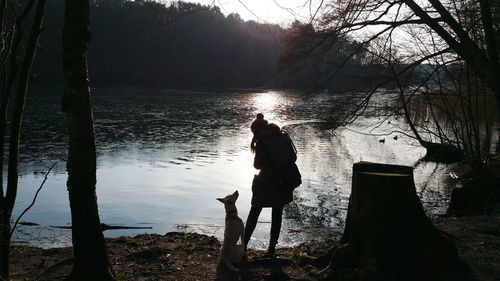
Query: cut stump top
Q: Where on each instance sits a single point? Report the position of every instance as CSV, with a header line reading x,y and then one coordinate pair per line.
x,y
370,167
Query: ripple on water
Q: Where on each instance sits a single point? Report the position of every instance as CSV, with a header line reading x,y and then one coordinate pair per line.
x,y
164,156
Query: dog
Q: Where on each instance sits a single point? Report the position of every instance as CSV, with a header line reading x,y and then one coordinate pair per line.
x,y
231,252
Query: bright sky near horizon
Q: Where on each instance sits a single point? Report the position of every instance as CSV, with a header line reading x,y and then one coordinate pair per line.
x,y
266,11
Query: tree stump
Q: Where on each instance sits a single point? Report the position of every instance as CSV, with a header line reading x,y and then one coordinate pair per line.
x,y
388,235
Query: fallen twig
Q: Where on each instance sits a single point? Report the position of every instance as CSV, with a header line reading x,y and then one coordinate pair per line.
x,y
109,227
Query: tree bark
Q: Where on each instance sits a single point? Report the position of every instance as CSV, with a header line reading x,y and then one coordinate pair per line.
x,y
387,234
90,258
491,47
8,201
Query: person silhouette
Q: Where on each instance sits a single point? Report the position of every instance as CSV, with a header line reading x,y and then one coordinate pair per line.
x,y
269,144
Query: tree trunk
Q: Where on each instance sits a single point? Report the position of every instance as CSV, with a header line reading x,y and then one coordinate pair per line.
x,y
8,201
491,48
90,258
387,234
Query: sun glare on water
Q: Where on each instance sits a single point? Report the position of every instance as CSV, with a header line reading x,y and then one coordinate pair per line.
x,y
267,103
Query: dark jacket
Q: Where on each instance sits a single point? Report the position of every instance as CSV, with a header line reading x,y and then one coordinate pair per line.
x,y
271,152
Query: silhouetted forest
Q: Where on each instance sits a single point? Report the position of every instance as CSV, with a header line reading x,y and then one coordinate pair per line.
x,y
184,45
318,61
147,44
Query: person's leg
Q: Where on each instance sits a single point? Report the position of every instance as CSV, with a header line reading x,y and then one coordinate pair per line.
x,y
253,216
276,218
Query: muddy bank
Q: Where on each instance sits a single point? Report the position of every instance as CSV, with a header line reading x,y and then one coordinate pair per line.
x,y
189,256
173,256
478,242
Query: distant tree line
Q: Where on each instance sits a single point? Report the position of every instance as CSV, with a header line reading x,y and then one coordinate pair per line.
x,y
147,44
144,43
319,61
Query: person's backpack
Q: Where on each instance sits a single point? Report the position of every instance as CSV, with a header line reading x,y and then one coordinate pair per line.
x,y
290,177
282,158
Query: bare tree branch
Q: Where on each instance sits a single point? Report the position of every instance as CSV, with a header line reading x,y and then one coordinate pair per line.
x,y
34,198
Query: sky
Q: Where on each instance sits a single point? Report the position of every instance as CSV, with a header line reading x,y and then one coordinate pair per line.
x,y
266,11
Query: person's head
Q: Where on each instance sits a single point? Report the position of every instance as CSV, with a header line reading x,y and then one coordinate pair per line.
x,y
258,124
266,130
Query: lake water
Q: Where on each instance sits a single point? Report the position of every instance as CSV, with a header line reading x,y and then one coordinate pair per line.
x,y
164,156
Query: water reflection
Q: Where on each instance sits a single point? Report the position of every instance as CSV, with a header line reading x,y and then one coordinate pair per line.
x,y
266,101
164,156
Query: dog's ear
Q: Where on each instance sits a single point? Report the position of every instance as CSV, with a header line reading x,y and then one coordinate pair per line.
x,y
223,200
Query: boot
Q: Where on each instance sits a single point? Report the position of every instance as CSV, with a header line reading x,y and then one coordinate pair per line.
x,y
271,251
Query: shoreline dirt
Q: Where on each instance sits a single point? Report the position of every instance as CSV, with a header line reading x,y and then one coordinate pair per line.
x,y
190,256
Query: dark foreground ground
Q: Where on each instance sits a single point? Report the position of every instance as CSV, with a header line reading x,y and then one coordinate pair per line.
x,y
187,256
